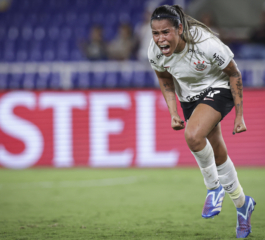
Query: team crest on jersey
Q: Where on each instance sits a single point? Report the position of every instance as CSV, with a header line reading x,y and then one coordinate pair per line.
x,y
200,66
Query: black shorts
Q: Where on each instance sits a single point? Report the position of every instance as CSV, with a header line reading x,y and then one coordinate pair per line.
x,y
220,99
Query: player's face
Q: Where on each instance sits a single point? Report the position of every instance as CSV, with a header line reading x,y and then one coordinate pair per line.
x,y
167,37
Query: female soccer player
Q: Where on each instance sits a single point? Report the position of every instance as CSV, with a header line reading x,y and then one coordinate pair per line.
x,y
192,62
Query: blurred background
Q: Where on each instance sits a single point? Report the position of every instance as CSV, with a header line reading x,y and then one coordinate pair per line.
x,y
72,56
67,44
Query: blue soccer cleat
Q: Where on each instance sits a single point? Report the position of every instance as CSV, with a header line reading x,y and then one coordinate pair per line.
x,y
243,228
213,202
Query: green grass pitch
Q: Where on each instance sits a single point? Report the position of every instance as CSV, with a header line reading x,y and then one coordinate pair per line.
x,y
119,204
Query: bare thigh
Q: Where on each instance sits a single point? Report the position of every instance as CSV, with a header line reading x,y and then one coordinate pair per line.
x,y
202,121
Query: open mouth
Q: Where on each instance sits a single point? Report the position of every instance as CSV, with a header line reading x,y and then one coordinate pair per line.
x,y
165,48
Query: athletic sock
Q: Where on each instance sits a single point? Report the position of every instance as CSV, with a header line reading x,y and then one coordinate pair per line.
x,y
238,198
228,178
206,162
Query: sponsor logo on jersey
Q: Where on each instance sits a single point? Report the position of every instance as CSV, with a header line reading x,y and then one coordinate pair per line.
x,y
196,52
219,59
200,66
151,61
159,56
196,97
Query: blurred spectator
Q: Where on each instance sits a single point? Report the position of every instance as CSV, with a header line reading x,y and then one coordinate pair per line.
x,y
4,5
144,36
123,47
209,21
258,36
94,48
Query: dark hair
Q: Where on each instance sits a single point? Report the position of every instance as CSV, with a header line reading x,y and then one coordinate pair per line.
x,y
176,15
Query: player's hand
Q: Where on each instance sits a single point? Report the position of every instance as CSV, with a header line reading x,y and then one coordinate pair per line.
x,y
177,123
240,125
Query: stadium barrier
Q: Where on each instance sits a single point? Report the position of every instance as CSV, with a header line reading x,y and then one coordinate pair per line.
x,y
106,74
111,128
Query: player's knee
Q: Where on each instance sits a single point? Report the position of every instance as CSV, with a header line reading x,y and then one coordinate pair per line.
x,y
193,140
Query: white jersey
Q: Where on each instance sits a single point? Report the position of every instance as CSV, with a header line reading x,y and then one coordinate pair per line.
x,y
196,70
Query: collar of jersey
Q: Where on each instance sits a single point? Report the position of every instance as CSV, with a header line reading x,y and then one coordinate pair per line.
x,y
183,51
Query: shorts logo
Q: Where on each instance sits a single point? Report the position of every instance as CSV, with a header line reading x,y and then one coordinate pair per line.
x,y
200,66
212,93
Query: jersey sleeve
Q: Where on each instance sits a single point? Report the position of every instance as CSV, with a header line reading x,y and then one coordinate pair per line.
x,y
153,57
218,53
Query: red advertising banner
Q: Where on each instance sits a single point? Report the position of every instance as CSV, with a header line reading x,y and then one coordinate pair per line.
x,y
115,128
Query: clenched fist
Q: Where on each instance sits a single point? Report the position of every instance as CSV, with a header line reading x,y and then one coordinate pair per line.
x,y
177,123
239,125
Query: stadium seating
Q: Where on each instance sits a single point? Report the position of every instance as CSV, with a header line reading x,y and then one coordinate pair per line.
x,y
49,31
37,30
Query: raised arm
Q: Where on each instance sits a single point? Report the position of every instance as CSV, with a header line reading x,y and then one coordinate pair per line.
x,y
168,90
237,91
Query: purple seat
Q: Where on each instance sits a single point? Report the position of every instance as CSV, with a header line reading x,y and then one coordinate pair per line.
x,y
12,33
9,50
22,55
26,32
55,81
42,80
2,32
65,33
15,81
28,81
3,81
76,55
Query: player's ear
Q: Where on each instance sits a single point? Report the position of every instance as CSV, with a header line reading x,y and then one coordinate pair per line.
x,y
180,29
